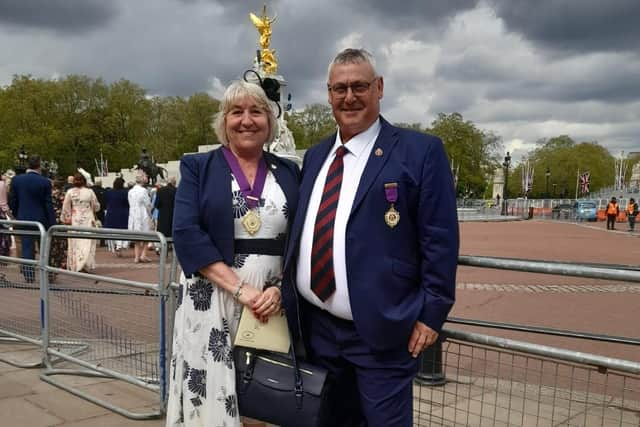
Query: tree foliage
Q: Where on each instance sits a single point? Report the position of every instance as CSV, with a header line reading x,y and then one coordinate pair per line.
x,y
72,120
473,153
311,125
565,159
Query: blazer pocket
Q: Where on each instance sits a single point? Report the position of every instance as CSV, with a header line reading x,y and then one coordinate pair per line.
x,y
404,269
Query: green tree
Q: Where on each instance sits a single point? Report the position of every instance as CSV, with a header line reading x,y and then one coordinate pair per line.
x,y
473,153
565,159
311,125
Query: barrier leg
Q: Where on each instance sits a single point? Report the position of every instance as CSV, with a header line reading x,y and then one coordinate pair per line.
x,y
430,373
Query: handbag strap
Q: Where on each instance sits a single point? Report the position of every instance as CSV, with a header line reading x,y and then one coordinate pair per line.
x,y
298,385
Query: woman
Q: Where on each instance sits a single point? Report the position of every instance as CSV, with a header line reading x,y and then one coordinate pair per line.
x,y
117,213
230,244
139,215
78,209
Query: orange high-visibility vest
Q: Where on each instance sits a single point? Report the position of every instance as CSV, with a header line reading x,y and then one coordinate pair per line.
x,y
612,208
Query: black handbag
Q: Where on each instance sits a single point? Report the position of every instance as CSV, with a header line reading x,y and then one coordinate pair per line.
x,y
278,389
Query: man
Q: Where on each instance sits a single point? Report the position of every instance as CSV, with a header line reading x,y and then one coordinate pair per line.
x,y
30,200
164,202
373,250
632,212
612,213
99,191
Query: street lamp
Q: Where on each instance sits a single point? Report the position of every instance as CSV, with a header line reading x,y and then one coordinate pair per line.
x,y
22,161
505,195
547,175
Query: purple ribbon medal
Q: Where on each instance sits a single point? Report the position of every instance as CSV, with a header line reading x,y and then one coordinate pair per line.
x,y
251,220
392,216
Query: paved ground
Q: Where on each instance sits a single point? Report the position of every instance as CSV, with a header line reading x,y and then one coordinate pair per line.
x,y
496,295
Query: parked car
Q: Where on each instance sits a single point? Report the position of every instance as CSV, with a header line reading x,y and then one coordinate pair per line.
x,y
563,211
586,210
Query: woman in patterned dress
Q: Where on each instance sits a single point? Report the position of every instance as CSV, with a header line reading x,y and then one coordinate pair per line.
x,y
78,209
227,263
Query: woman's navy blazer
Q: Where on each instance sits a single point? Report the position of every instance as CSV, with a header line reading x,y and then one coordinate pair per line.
x,y
203,229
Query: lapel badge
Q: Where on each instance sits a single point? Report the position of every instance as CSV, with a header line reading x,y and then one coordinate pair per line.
x,y
378,152
273,166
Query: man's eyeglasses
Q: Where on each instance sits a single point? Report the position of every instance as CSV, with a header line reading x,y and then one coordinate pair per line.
x,y
357,88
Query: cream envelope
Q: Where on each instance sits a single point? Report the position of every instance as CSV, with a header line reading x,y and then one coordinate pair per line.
x,y
273,335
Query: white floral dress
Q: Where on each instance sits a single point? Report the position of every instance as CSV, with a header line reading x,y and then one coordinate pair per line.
x,y
202,390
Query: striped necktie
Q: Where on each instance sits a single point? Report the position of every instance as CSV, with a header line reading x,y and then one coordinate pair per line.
x,y
323,281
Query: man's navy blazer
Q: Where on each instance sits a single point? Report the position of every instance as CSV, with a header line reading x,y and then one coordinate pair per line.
x,y
30,199
203,230
396,275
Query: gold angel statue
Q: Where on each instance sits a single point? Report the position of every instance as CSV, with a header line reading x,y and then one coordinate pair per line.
x,y
263,24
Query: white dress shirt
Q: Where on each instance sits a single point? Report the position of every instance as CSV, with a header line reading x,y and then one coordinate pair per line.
x,y
359,148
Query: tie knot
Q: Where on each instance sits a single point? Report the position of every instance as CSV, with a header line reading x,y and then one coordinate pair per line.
x,y
341,151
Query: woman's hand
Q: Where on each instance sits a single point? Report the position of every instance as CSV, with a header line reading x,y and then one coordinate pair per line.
x,y
249,295
268,304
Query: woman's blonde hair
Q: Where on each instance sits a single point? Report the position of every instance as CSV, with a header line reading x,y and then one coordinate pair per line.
x,y
237,91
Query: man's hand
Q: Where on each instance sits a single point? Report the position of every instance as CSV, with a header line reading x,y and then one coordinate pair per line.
x,y
421,338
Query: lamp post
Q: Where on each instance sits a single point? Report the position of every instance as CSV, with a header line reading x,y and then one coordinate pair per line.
x,y
554,189
22,161
547,175
505,195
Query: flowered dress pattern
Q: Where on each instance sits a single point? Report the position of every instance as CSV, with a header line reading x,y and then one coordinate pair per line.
x,y
80,205
139,209
202,390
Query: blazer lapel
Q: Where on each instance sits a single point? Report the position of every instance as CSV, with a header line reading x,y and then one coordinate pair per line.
x,y
219,189
386,140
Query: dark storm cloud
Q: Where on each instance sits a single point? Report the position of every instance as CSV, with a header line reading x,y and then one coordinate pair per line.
x,y
412,14
65,16
574,25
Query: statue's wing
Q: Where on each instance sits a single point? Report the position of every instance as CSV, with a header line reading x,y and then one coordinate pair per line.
x,y
256,21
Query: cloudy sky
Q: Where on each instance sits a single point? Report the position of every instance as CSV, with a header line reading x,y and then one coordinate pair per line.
x,y
523,69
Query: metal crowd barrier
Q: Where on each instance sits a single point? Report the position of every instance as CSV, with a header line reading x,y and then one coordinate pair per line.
x,y
117,327
20,294
471,379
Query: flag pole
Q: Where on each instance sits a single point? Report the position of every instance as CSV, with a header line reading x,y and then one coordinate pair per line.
x,y
577,183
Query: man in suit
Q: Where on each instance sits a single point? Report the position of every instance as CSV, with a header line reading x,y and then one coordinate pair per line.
x,y
372,252
164,203
30,200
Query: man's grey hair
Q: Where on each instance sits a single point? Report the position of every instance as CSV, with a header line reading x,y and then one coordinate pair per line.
x,y
171,180
237,91
353,56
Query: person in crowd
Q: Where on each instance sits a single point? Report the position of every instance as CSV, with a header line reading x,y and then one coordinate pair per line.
x,y
79,208
5,213
59,245
613,210
165,199
153,194
632,213
100,192
30,200
373,250
139,215
232,210
117,213
69,184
